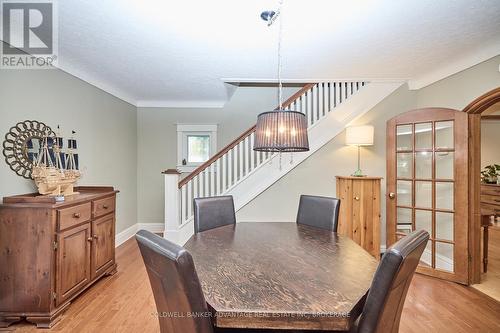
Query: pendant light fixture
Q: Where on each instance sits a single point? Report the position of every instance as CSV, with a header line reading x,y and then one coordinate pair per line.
x,y
280,130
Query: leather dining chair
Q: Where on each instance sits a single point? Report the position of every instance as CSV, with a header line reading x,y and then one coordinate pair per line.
x,y
213,212
319,212
384,302
175,285
177,289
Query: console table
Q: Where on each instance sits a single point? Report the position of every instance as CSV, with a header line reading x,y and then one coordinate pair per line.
x,y
52,251
490,206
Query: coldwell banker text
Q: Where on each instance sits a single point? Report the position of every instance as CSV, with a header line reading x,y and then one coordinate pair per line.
x,y
29,35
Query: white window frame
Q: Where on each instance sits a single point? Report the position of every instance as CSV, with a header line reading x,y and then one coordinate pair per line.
x,y
183,130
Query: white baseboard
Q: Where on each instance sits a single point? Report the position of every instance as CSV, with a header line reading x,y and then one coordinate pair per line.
x,y
128,233
182,234
125,235
153,227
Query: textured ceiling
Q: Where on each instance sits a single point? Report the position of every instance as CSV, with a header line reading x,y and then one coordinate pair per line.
x,y
178,52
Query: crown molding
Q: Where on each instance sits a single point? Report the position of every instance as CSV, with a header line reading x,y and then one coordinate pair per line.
x,y
235,81
216,104
98,84
455,67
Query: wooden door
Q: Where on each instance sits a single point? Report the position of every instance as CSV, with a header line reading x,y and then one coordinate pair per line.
x,y
73,261
103,248
427,187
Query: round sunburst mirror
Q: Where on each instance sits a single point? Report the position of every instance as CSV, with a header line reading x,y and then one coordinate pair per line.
x,y
22,145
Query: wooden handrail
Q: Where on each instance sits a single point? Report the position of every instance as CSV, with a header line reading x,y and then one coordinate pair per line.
x,y
236,141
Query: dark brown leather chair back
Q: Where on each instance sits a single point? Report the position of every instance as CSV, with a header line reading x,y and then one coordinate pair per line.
x,y
213,212
385,300
175,285
320,212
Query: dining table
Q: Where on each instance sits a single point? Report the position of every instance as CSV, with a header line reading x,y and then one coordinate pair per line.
x,y
281,275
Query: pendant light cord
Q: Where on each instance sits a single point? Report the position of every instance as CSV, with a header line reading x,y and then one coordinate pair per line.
x,y
280,34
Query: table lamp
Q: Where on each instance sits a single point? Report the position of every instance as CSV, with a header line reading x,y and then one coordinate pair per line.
x,y
359,136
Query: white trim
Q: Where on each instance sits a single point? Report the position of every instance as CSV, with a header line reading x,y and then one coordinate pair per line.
x,y
316,80
101,85
187,168
125,235
454,67
181,104
152,227
196,127
183,130
181,234
128,233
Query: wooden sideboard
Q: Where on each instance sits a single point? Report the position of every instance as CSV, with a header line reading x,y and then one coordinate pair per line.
x,y
52,251
490,199
490,206
360,211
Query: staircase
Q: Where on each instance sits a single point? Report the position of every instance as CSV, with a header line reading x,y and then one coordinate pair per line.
x,y
239,171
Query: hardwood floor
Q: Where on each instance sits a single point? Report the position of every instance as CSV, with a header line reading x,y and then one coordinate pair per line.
x,y
124,303
490,282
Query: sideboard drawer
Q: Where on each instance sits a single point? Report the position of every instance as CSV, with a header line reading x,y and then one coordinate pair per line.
x,y
104,206
69,217
487,209
490,199
490,190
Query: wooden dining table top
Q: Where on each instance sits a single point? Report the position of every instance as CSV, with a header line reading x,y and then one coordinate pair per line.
x,y
281,275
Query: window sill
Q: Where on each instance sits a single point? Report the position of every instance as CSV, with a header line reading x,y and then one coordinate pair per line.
x,y
186,168
189,169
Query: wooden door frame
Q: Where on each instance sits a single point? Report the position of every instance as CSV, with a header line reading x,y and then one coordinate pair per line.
x,y
475,109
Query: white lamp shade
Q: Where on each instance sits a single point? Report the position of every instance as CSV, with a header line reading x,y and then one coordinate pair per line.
x,y
359,135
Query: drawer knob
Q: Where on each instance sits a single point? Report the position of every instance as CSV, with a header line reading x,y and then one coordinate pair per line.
x,y
96,237
105,206
392,195
76,215
356,198
89,239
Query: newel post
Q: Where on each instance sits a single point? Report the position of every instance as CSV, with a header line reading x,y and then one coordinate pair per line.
x,y
172,204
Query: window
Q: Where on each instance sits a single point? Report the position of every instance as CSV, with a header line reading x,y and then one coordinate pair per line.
x,y
195,145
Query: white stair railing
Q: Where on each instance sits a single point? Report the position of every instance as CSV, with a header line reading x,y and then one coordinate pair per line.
x,y
237,161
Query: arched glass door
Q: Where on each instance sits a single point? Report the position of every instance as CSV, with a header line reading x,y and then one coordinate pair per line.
x,y
427,183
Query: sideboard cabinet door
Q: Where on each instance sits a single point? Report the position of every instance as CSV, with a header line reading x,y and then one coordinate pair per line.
x,y
359,217
103,252
73,261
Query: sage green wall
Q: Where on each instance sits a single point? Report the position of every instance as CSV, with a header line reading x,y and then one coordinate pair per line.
x,y
316,175
157,139
105,125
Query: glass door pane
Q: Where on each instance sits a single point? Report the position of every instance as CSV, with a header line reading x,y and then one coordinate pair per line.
x,y
423,165
404,221
405,165
404,137
404,193
444,165
423,136
444,135
444,256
